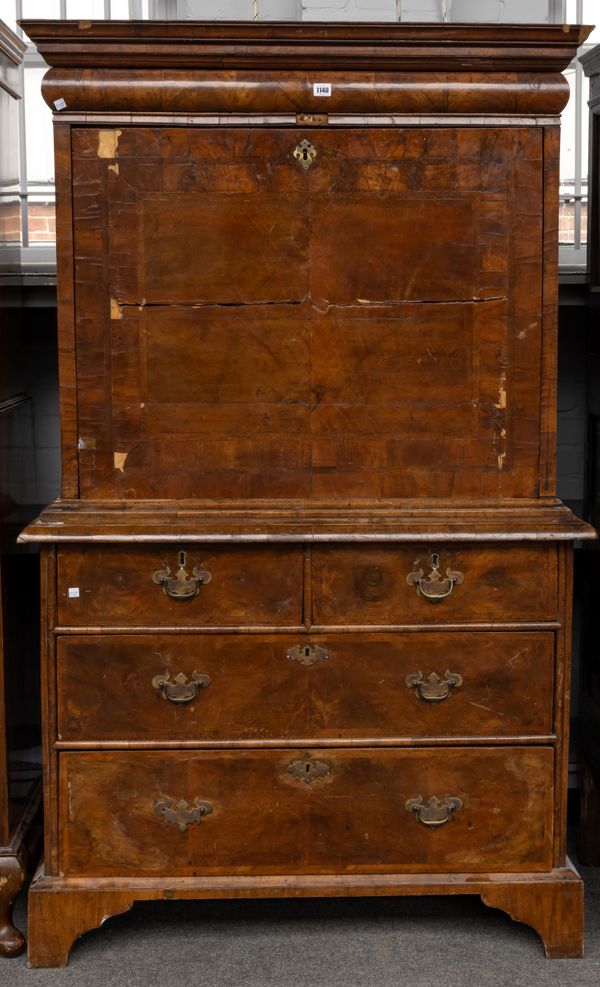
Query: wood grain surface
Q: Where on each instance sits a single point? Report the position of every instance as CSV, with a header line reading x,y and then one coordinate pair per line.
x,y
115,586
258,693
265,820
322,370
367,584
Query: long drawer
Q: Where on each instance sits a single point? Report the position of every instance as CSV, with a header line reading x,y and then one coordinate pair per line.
x,y
168,586
361,811
256,687
408,584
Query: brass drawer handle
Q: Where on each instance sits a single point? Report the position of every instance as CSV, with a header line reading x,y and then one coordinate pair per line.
x,y
434,812
435,587
181,813
180,690
307,654
181,586
434,689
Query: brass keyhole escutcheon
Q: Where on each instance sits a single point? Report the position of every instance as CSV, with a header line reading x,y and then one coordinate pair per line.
x,y
307,770
305,153
307,654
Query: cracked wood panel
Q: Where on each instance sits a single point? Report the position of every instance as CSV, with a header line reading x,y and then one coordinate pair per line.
x,y
368,328
356,689
265,820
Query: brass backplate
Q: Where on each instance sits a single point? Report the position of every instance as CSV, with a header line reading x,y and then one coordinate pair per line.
x,y
181,586
312,119
308,770
434,812
181,813
434,688
307,654
305,154
180,689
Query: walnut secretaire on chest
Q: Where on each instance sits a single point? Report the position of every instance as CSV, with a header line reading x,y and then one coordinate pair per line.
x,y
307,590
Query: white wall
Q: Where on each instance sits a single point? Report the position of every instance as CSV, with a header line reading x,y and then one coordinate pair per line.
x,y
528,11
508,11
348,10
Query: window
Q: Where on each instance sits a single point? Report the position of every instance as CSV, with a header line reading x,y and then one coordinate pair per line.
x,y
35,127
574,147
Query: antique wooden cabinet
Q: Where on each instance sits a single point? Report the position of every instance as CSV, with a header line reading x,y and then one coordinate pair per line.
x,y
307,590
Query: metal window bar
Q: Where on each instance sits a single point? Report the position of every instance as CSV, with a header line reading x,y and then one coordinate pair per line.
x,y
22,144
573,250
578,138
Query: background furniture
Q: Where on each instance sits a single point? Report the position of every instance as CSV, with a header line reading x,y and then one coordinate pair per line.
x,y
20,793
307,589
589,842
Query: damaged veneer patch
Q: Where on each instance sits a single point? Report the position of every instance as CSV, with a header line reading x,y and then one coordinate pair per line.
x,y
501,402
500,436
108,143
119,460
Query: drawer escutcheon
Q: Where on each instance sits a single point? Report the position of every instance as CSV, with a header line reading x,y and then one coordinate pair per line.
x,y
305,153
308,770
307,654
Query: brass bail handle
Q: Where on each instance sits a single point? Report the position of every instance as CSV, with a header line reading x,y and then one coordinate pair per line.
x,y
180,689
181,586
434,688
435,587
434,812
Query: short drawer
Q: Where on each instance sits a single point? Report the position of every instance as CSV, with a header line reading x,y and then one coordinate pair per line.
x,y
320,811
451,583
168,585
263,687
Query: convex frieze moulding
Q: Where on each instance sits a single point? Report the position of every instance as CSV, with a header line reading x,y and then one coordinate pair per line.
x,y
237,67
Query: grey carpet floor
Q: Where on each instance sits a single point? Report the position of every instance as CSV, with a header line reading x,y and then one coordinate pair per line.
x,y
420,942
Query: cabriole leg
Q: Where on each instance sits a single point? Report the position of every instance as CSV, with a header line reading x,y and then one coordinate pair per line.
x,y
12,876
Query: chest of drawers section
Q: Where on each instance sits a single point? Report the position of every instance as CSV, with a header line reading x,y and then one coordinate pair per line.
x,y
353,725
